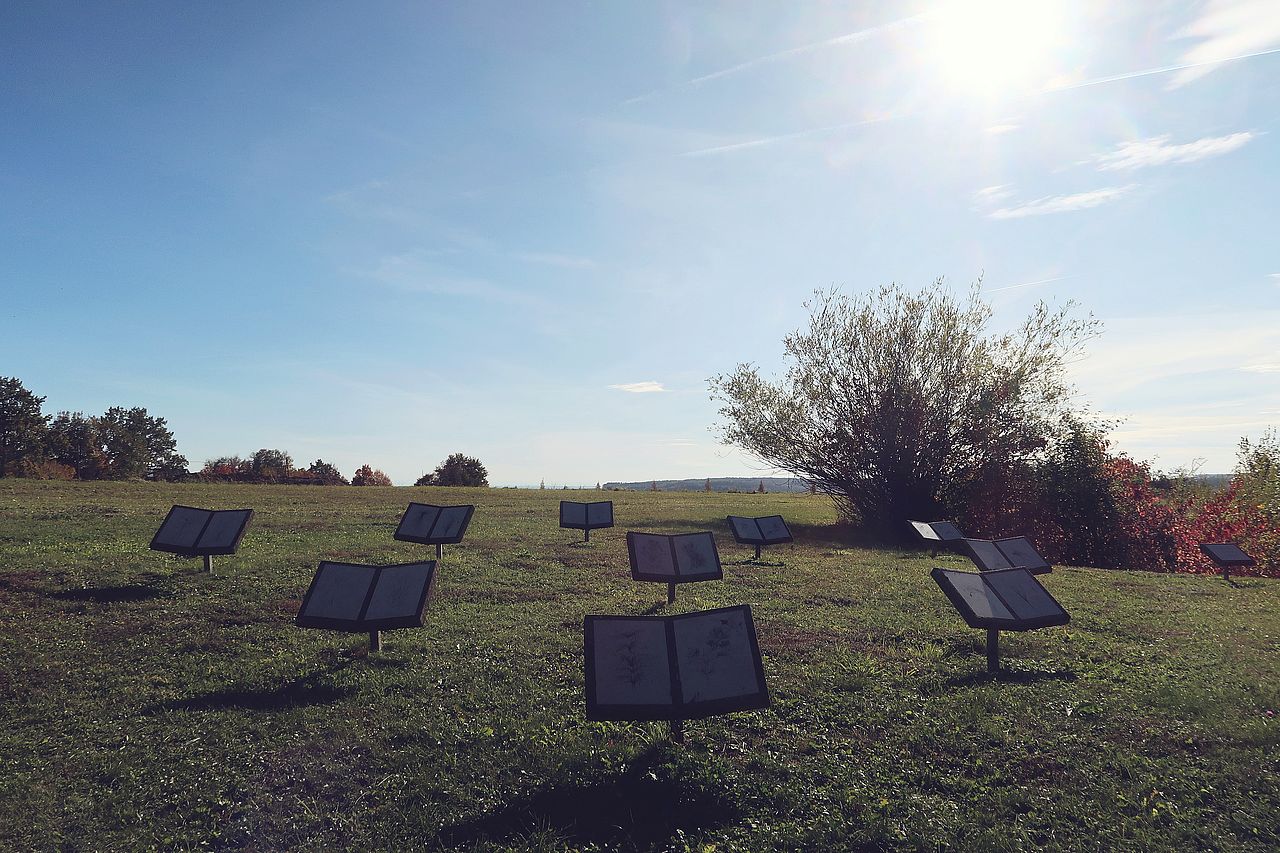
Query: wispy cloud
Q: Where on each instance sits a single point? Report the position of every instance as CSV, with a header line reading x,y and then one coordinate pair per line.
x,y
1272,367
1062,203
1275,276
999,129
414,272
847,38
552,259
1157,151
1035,283
1225,30
784,137
1068,85
649,387
991,196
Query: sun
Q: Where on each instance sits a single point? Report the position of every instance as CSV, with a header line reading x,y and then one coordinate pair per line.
x,y
995,48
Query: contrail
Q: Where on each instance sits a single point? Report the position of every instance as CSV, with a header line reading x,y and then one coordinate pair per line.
x,y
1164,69
847,38
1024,284
782,137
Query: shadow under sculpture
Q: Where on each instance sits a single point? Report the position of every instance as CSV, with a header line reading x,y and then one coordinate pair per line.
x,y
1016,552
673,559
1000,600
1225,555
355,598
762,531
937,534
673,668
428,524
586,517
193,532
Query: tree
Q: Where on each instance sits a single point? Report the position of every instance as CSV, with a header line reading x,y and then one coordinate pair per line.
x,y
23,428
1258,472
896,404
73,441
706,487
225,469
459,470
270,466
366,476
760,488
136,444
653,485
327,474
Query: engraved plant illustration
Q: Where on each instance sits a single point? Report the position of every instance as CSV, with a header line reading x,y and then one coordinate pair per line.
x,y
630,668
708,657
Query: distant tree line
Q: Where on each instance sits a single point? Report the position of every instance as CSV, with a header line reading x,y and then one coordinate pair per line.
x,y
119,444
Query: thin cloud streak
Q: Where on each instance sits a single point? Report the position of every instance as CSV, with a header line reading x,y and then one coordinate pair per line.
x,y
784,137
1148,72
847,38
648,387
1156,151
1227,27
1025,284
1062,203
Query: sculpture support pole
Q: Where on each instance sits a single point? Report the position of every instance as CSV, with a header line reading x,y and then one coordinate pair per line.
x,y
677,731
586,534
375,641
757,552
439,551
208,563
671,593
993,650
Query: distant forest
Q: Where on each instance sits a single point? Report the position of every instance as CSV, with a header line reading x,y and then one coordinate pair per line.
x,y
718,484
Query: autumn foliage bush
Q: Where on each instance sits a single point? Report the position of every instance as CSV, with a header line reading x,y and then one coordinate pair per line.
x,y
1084,505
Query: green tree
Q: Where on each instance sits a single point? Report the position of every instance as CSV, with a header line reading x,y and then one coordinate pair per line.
x,y
270,466
136,444
73,441
327,474
459,470
23,428
896,403
1258,472
706,487
366,476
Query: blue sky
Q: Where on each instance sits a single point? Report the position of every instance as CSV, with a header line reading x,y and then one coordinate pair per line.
x,y
386,232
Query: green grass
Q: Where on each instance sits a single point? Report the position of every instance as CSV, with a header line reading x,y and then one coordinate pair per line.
x,y
148,705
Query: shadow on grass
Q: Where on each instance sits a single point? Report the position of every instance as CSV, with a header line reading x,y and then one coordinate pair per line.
x,y
1007,676
299,693
109,594
638,809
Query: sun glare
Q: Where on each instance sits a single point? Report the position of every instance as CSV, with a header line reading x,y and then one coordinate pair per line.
x,y
993,48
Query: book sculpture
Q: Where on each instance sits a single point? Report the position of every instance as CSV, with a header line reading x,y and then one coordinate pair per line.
x,y
1000,600
1017,552
354,598
683,558
673,668
1225,555
767,530
937,534
206,533
586,516
427,524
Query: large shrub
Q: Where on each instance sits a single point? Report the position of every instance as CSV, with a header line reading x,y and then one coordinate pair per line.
x,y
901,404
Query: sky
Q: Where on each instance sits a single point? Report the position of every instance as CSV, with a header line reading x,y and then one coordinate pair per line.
x,y
530,232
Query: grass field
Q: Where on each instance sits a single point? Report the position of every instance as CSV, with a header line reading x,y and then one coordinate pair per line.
x,y
149,705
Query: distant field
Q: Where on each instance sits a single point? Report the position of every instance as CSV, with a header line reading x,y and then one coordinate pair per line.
x,y
149,705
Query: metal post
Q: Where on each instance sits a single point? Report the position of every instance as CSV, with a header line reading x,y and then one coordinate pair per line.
x,y
208,563
757,552
1226,572
677,731
586,534
375,641
671,593
439,551
993,650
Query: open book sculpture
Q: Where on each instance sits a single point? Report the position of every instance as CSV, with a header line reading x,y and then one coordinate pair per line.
x,y
673,667
586,516
682,558
356,598
937,534
1225,555
1016,552
206,533
428,524
766,530
1000,600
